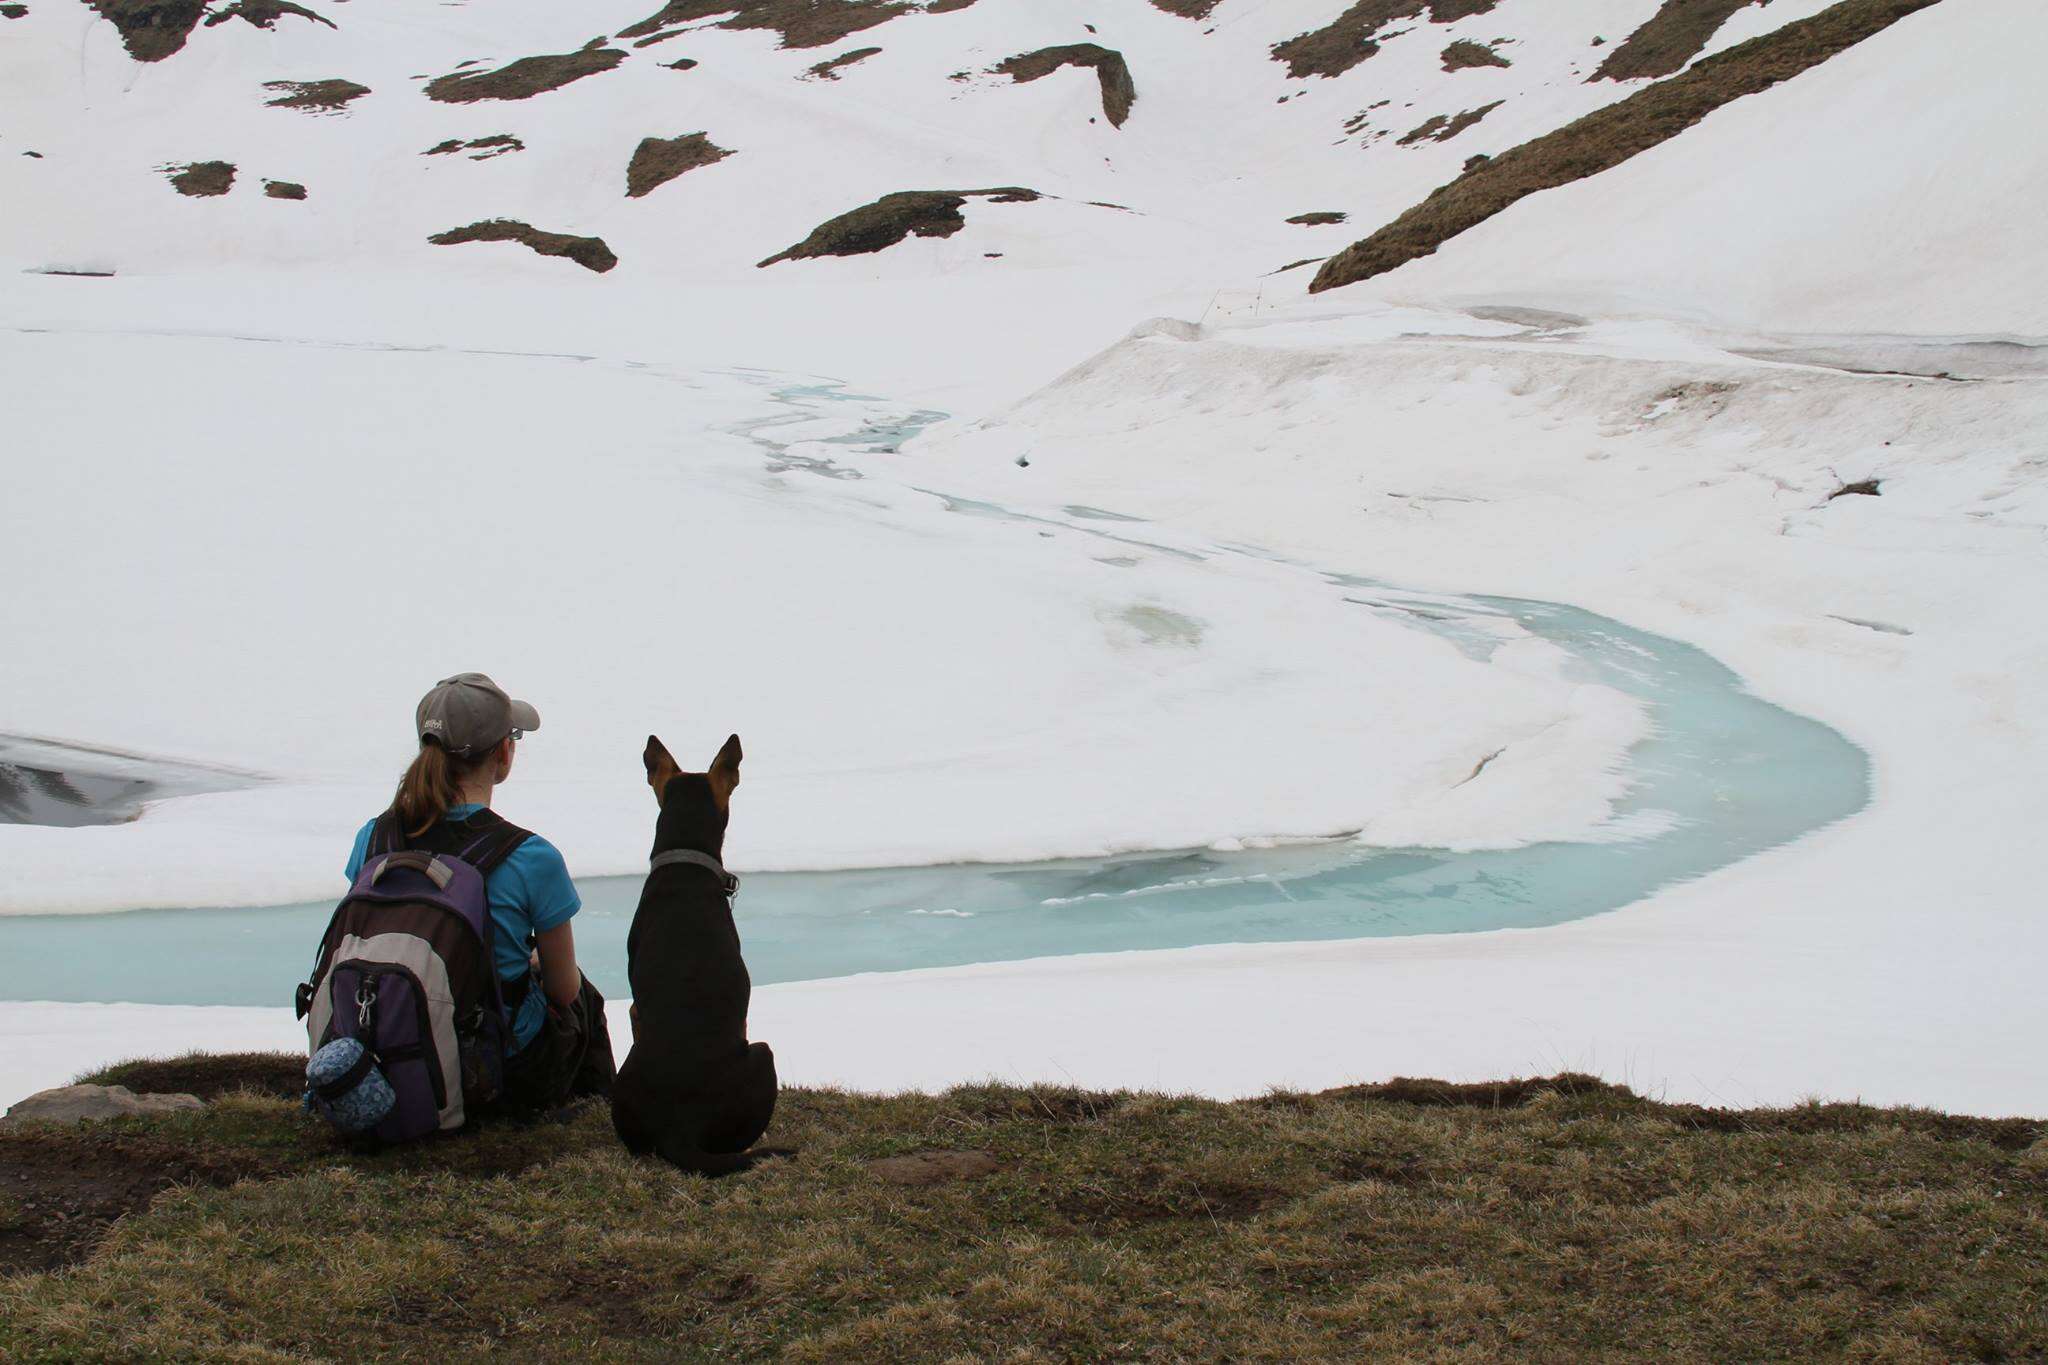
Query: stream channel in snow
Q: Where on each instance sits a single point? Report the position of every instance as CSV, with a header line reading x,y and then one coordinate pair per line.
x,y
1722,775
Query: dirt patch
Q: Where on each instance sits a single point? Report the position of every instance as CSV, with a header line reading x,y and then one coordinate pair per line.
x,y
281,1075
589,252
1607,137
319,97
1465,54
525,78
1119,92
802,23
933,1168
60,1190
1188,9
151,30
681,64
284,189
894,217
829,70
266,13
1354,35
1444,127
1318,219
480,148
1863,488
1668,40
656,161
202,179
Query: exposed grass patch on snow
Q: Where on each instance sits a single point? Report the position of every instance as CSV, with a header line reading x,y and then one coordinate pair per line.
x,y
1668,39
589,252
13,11
1465,54
1187,9
284,189
1607,137
1353,36
1444,127
525,78
1119,92
829,70
202,179
659,160
151,30
479,148
1317,219
265,13
319,97
801,23
1560,1219
893,218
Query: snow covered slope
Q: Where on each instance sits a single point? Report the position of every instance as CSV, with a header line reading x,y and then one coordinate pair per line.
x,y
1897,188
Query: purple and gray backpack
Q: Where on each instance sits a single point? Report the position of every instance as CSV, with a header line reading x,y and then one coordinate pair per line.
x,y
406,969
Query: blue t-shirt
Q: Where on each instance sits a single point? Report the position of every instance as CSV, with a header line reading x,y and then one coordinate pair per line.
x,y
530,893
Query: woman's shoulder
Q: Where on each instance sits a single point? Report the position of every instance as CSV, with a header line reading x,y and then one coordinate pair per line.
x,y
542,878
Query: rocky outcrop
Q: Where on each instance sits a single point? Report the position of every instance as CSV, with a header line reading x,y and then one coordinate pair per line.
x,y
894,218
657,160
151,30
1670,38
95,1103
331,96
589,252
525,78
1354,35
202,179
1119,92
1607,137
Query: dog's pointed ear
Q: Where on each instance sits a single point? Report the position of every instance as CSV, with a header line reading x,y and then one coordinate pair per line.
x,y
660,766
725,769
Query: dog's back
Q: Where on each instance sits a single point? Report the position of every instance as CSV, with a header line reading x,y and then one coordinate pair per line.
x,y
692,1089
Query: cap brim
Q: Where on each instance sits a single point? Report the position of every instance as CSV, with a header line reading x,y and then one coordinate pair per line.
x,y
524,717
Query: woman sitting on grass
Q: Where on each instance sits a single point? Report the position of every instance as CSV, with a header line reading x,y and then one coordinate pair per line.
x,y
469,731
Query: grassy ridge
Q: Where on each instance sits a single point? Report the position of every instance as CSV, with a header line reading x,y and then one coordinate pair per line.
x,y
1561,1220
1607,137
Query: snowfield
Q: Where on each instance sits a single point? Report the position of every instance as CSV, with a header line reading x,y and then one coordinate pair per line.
x,y
231,469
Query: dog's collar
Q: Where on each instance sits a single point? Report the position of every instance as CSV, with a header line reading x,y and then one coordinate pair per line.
x,y
726,881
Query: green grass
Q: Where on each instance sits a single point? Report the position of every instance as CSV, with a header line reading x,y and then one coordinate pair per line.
x,y
1561,1220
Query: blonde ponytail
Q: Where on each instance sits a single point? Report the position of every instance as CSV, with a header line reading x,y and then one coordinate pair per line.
x,y
430,786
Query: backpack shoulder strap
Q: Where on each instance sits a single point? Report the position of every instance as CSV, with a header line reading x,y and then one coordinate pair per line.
x,y
387,836
496,840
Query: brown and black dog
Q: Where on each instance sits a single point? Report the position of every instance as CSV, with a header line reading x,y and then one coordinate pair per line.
x,y
693,1090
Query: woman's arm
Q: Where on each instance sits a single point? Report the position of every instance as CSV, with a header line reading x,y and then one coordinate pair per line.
x,y
559,975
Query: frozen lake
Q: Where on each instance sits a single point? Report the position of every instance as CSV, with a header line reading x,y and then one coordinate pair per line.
x,y
1722,775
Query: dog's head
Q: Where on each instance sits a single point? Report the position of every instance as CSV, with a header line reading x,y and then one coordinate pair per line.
x,y
694,806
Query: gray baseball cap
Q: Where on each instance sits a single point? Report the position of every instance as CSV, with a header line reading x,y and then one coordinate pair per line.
x,y
468,714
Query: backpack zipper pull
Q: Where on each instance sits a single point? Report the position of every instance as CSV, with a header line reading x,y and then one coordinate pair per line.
x,y
366,997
